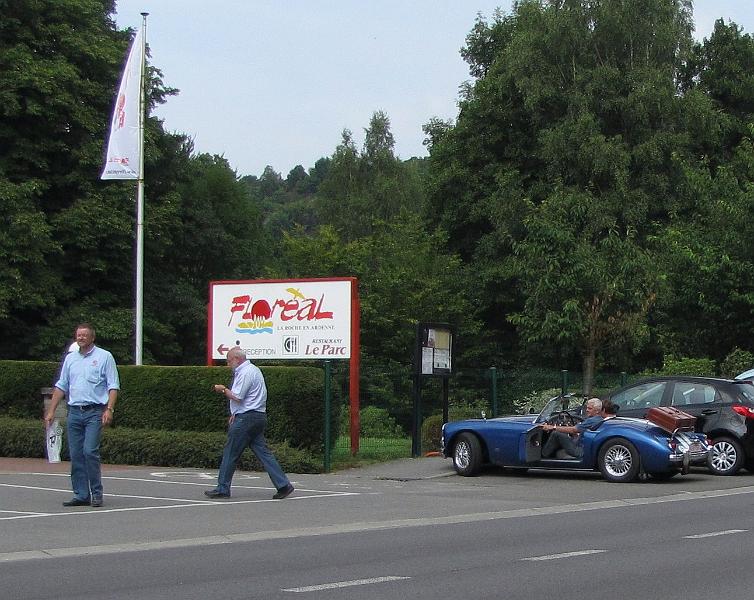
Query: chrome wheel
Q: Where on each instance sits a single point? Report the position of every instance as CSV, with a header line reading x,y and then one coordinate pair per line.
x,y
467,454
725,457
618,461
463,455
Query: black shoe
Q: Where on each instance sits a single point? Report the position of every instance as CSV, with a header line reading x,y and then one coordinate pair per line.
x,y
283,492
216,494
96,502
76,502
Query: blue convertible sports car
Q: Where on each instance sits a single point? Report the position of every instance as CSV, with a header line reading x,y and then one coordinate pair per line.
x,y
621,448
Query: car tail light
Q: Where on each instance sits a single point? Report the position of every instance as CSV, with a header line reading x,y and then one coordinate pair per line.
x,y
673,444
744,411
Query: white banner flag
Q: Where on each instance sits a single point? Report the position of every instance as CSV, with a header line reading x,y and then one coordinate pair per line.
x,y
122,159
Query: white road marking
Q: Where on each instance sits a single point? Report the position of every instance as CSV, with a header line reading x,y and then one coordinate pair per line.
x,y
46,489
21,512
165,481
343,584
700,536
194,474
186,502
357,527
564,555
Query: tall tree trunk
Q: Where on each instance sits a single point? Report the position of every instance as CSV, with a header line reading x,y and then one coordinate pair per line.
x,y
588,370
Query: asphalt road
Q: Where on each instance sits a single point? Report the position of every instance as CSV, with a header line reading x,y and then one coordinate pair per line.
x,y
411,530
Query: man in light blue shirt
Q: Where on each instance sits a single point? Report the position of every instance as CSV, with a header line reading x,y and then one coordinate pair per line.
x,y
247,400
89,378
569,437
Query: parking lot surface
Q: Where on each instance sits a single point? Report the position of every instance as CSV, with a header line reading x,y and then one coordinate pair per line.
x,y
155,507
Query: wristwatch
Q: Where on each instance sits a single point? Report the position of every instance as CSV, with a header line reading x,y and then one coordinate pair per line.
x,y
112,410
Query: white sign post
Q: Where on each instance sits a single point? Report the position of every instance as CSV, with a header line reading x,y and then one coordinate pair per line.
x,y
292,319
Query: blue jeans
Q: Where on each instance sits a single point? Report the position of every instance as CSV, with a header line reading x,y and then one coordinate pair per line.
x,y
247,430
84,434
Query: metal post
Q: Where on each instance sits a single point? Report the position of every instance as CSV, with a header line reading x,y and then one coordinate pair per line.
x,y
327,416
417,428
445,400
139,308
564,382
493,376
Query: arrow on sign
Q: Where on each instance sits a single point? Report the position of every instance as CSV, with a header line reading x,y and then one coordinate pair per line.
x,y
222,349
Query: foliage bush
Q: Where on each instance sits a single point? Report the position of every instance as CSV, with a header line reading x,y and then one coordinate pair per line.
x,y
535,401
373,422
20,382
431,433
736,362
700,367
181,399
120,445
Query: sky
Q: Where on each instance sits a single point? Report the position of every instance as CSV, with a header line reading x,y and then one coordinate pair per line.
x,y
275,82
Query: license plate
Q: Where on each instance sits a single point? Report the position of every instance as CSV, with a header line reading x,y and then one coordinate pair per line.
x,y
696,447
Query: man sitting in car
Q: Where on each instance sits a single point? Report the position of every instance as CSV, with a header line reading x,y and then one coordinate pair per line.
x,y
568,437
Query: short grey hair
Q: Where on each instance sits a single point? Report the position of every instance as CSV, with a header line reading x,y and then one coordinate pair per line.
x,y
595,402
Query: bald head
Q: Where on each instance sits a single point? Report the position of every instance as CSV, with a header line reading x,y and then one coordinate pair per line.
x,y
236,353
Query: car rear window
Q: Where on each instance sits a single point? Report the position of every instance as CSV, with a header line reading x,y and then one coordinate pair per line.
x,y
745,391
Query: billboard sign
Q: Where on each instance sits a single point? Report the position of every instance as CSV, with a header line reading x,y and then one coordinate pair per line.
x,y
300,319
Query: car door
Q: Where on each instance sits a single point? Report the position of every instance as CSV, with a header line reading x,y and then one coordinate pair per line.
x,y
637,399
533,444
700,400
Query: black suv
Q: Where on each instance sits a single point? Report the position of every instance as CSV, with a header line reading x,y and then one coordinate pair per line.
x,y
724,411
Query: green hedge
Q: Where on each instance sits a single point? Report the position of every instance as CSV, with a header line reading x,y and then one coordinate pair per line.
x,y
20,382
181,399
25,438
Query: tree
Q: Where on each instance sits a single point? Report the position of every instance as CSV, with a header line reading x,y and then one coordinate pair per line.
x,y
404,277
59,62
588,286
363,187
706,250
561,164
67,239
25,246
207,229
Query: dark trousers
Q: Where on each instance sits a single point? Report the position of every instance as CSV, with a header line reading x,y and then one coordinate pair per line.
x,y
247,431
558,440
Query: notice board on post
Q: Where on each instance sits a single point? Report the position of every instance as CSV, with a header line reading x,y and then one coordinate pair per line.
x,y
434,349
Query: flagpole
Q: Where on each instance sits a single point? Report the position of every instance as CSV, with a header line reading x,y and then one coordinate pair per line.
x,y
139,317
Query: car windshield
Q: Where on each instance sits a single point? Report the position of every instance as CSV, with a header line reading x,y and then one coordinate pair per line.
x,y
559,404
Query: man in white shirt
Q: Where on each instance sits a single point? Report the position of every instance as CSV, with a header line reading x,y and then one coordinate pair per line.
x,y
247,399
